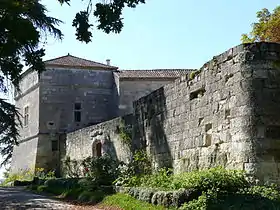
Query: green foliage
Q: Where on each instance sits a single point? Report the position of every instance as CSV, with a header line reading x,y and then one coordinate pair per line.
x,y
235,201
266,29
161,179
16,17
72,168
218,179
28,175
130,174
127,202
269,192
102,170
125,134
107,13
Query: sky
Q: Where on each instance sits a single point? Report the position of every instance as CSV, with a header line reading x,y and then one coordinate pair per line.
x,y
161,33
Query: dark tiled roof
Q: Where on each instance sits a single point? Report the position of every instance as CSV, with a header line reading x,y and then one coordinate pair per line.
x,y
72,61
154,73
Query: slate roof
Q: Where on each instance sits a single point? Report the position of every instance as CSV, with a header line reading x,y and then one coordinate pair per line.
x,y
154,73
72,61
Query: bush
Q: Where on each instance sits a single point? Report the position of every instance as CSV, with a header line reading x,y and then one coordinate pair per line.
x,y
161,179
256,197
25,177
102,170
218,179
130,174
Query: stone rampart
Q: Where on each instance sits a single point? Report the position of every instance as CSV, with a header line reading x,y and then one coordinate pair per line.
x,y
227,114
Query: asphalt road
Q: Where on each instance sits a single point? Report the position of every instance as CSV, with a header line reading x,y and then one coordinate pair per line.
x,y
18,198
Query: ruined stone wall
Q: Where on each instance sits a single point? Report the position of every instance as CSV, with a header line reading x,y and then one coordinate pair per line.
x,y
133,89
226,115
80,143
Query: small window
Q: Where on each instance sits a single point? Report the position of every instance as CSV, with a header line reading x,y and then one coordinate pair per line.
x,y
54,145
78,106
77,112
26,116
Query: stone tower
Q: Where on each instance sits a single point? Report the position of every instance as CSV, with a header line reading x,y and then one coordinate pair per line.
x,y
72,93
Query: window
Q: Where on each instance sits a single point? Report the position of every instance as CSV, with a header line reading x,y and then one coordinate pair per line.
x,y
26,116
54,145
77,112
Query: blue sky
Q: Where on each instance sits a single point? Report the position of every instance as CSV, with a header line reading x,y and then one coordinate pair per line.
x,y
161,33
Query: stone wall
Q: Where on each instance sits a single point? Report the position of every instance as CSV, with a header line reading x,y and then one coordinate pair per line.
x,y
24,155
226,115
61,88
80,143
133,89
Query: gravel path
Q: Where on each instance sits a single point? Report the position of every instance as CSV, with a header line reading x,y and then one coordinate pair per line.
x,y
18,198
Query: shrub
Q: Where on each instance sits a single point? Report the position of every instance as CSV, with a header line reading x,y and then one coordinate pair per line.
x,y
218,179
102,170
27,175
130,174
161,179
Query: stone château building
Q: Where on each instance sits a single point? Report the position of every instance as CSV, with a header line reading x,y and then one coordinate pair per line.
x,y
226,114
71,94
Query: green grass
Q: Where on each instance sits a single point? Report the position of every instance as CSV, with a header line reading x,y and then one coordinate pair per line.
x,y
127,202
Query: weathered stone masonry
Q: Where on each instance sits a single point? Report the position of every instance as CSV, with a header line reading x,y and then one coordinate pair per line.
x,y
227,115
81,144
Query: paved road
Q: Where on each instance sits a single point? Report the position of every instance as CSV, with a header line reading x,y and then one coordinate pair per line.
x,y
17,198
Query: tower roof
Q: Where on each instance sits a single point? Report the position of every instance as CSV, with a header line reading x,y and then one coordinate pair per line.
x,y
73,61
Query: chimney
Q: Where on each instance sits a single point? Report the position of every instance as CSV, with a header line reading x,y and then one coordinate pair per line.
x,y
108,62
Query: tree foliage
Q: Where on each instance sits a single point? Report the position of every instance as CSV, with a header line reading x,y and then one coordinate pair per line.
x,y
108,14
267,28
24,25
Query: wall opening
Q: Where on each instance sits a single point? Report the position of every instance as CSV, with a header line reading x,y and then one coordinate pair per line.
x,y
197,94
77,112
54,145
97,149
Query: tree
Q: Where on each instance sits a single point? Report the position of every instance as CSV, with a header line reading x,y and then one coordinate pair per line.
x,y
23,27
266,29
109,16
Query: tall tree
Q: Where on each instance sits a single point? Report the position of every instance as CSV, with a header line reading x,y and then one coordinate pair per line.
x,y
23,23
23,26
266,29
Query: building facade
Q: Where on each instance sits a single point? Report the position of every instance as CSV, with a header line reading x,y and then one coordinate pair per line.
x,y
71,94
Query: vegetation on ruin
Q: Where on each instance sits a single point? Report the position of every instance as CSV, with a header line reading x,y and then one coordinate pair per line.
x,y
266,29
215,188
125,134
16,47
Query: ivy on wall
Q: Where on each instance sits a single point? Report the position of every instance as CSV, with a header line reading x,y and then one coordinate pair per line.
x,y
124,133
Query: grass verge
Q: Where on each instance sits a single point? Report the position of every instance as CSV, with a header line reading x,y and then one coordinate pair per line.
x,y
127,202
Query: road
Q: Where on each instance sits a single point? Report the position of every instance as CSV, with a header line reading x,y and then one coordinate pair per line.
x,y
17,198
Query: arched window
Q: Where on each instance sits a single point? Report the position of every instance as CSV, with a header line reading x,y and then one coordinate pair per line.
x,y
97,149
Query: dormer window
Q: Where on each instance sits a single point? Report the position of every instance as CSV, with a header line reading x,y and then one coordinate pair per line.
x,y
77,112
26,116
